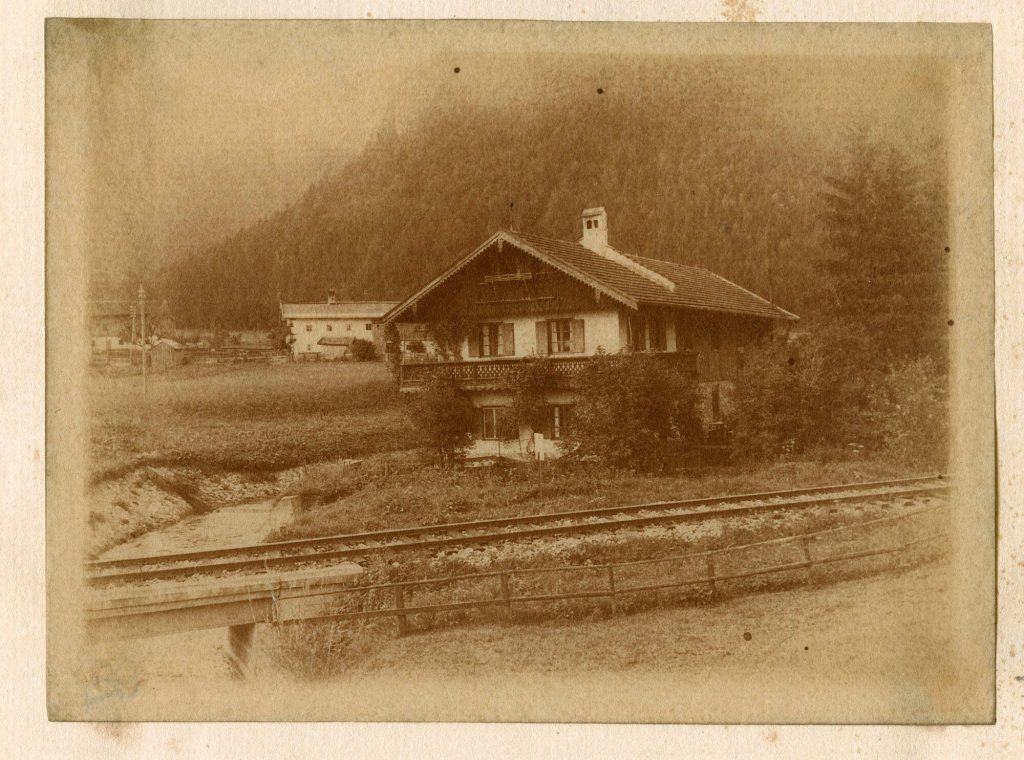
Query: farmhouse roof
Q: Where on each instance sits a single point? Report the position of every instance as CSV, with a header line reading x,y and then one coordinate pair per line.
x,y
638,281
337,310
169,343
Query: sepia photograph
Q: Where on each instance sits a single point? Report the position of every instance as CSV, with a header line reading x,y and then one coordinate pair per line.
x,y
520,371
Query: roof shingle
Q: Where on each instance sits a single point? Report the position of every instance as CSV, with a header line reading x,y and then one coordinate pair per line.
x,y
696,287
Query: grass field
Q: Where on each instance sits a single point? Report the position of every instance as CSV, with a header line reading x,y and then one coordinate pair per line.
x,y
254,418
395,490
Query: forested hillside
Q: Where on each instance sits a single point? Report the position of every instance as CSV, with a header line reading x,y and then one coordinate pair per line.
x,y
689,169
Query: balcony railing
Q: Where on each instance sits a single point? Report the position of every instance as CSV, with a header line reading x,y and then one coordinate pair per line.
x,y
494,374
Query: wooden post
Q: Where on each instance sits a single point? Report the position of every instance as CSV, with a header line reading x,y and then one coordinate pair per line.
x,y
403,620
142,315
240,638
805,548
506,593
709,563
900,560
611,588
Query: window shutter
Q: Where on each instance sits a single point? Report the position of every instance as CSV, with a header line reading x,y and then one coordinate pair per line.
x,y
508,339
578,344
474,342
542,338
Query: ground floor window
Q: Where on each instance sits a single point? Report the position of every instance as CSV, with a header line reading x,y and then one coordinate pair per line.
x,y
558,421
489,423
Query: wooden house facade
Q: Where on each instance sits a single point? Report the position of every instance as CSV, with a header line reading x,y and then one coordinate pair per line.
x,y
520,295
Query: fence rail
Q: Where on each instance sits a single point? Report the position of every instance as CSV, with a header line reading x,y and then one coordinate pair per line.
x,y
614,586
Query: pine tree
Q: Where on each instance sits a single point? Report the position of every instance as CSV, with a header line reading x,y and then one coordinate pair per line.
x,y
885,225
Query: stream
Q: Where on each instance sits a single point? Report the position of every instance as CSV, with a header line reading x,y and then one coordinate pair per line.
x,y
240,524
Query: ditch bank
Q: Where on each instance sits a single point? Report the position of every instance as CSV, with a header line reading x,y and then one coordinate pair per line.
x,y
145,502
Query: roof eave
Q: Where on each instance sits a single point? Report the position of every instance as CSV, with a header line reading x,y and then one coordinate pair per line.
x,y
522,245
781,314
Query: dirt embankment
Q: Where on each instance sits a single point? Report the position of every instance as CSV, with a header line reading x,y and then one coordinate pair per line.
x,y
145,499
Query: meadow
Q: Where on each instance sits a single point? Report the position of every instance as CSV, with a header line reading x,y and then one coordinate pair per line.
x,y
246,418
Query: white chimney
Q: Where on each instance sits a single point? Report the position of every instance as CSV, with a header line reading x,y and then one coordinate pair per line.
x,y
595,238
595,229
332,296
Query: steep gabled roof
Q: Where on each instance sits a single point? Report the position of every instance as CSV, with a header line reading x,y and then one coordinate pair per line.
x,y
632,286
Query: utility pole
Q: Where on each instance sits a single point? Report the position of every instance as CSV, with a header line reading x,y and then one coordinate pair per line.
x,y
142,315
511,203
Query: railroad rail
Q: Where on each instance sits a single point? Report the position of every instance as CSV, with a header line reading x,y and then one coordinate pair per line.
x,y
296,552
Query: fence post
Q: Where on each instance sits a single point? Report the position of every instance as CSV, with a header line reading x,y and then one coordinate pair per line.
x,y
403,621
506,594
900,559
805,548
611,588
709,563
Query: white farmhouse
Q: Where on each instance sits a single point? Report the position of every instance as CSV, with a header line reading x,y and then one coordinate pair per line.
x,y
326,330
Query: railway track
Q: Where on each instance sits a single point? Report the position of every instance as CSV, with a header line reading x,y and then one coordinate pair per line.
x,y
292,553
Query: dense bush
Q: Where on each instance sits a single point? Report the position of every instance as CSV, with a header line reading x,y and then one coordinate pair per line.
x,y
530,382
799,394
908,413
446,416
827,390
634,411
363,350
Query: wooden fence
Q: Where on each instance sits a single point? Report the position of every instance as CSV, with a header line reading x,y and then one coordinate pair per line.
x,y
614,581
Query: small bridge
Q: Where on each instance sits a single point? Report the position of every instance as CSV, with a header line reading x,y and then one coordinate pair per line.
x,y
236,602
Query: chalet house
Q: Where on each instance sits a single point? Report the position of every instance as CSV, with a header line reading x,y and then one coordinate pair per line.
x,y
326,330
520,295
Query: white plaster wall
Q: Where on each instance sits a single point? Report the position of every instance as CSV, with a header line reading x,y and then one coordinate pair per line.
x,y
601,330
306,342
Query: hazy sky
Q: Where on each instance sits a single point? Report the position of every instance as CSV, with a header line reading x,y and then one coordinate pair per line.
x,y
193,129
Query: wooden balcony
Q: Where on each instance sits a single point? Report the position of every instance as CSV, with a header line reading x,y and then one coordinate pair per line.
x,y
494,374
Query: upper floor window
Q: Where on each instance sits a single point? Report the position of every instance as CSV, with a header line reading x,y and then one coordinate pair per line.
x,y
656,333
684,336
560,336
647,334
348,328
369,327
309,327
493,339
330,327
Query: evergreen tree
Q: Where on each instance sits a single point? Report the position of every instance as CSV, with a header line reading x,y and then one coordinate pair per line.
x,y
885,225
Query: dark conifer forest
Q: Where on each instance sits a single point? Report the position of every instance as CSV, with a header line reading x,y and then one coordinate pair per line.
x,y
693,166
